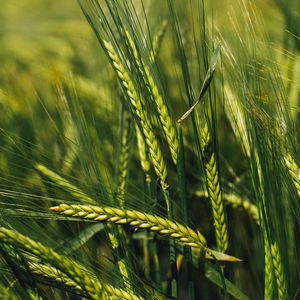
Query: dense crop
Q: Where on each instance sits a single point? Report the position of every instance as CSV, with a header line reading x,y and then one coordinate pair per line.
x,y
149,150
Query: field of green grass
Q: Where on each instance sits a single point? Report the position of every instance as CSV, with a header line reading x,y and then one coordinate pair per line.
x,y
149,149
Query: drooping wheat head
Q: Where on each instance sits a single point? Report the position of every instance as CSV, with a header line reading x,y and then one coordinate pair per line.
x,y
135,218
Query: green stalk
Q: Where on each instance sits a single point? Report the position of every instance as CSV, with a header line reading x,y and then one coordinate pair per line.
x,y
183,198
146,165
118,236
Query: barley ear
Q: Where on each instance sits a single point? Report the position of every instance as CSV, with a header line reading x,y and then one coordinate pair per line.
x,y
214,189
141,114
135,218
293,170
122,170
142,149
279,272
269,271
157,40
163,111
46,273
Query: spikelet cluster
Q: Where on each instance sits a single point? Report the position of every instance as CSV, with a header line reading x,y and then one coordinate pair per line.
x,y
293,170
157,39
142,149
135,218
123,162
279,273
214,190
137,105
269,271
55,276
163,112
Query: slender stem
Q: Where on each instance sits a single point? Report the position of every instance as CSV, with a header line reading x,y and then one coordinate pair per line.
x,y
183,198
172,251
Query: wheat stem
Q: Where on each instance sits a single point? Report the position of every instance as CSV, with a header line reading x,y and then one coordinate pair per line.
x,y
117,237
145,164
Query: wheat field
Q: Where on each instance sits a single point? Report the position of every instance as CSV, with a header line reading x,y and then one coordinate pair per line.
x,y
149,149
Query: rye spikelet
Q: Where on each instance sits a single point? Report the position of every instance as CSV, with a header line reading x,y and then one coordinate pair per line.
x,y
214,189
93,287
294,171
135,218
140,112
